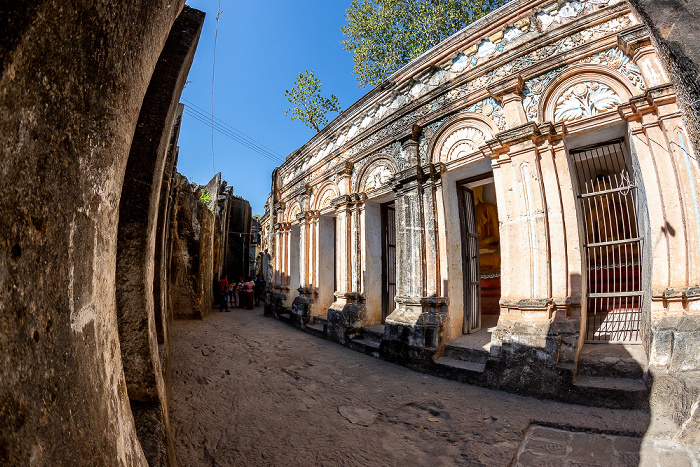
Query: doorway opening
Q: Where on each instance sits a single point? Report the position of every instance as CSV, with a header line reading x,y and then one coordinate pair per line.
x,y
481,253
388,213
612,242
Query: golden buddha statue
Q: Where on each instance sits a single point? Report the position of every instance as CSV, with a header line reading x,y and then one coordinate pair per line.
x,y
486,215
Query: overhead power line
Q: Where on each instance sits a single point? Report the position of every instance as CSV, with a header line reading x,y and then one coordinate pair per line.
x,y
232,129
224,131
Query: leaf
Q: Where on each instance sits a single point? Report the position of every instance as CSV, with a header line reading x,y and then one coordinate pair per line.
x,y
568,110
311,108
604,98
384,35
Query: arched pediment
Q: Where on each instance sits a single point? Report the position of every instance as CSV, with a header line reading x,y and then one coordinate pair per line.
x,y
376,174
579,91
324,195
462,138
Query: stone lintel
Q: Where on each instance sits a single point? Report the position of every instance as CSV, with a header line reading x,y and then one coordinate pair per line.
x,y
633,39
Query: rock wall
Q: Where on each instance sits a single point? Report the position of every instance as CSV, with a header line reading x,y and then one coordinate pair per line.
x,y
674,30
81,376
191,263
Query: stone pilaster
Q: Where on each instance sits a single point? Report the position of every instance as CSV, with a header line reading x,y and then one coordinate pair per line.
x,y
539,323
346,315
300,306
414,329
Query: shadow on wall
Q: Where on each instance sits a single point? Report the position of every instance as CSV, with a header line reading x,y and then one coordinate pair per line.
x,y
88,117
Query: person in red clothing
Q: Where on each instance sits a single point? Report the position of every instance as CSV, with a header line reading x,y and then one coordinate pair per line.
x,y
223,288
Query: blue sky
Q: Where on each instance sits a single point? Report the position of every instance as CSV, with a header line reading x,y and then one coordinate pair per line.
x,y
261,47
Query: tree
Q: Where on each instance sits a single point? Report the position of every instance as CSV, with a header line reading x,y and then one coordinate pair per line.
x,y
311,108
384,35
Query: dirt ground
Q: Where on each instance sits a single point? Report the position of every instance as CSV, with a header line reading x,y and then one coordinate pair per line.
x,y
250,390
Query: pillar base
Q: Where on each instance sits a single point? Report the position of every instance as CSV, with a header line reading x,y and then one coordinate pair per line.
x,y
413,332
536,344
301,307
346,317
274,303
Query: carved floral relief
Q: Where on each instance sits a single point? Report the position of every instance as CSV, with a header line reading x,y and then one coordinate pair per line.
x,y
460,143
377,178
585,99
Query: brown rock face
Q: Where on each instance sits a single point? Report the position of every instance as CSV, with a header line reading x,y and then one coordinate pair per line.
x,y
88,98
674,29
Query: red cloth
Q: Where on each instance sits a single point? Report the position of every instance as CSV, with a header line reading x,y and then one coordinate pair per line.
x,y
223,286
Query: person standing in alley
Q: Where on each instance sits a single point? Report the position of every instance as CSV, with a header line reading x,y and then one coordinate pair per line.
x,y
259,289
240,290
223,289
249,293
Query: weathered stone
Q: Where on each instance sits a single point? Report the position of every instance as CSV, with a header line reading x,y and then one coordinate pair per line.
x,y
78,83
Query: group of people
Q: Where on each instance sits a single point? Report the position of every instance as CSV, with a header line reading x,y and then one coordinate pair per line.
x,y
241,294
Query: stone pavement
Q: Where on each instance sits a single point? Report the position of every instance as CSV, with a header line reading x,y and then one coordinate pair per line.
x,y
250,390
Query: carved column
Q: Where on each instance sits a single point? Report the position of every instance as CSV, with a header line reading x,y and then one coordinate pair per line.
x,y
539,323
415,327
346,315
509,92
301,304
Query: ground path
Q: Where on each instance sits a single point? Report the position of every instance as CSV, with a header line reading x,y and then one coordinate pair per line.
x,y
251,390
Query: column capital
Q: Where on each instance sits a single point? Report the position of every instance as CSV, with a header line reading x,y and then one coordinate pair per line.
x,y
344,168
631,40
509,87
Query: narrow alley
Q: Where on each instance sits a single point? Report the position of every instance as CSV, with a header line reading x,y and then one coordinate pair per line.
x,y
250,390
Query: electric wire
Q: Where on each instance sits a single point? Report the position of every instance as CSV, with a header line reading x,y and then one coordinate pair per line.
x,y
222,128
236,131
213,74
227,133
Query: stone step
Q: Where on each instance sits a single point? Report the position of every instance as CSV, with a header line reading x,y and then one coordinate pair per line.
x,y
286,317
453,363
317,329
373,333
320,320
612,360
466,353
607,383
365,346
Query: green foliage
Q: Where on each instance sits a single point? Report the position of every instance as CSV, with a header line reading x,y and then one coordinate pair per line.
x,y
205,196
384,35
311,108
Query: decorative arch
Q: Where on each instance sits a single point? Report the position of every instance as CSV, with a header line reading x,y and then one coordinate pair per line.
x,y
292,210
376,173
461,137
583,91
324,195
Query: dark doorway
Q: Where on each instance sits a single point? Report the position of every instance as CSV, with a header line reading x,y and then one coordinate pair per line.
x,y
388,259
470,262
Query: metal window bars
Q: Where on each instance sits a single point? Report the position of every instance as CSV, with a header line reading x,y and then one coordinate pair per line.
x,y
609,207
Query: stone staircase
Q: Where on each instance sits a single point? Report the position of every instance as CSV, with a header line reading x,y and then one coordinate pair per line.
x,y
369,340
464,354
318,326
613,367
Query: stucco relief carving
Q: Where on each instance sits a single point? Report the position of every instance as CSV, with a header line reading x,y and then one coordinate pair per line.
x,y
460,143
613,59
492,109
585,99
325,195
463,62
377,178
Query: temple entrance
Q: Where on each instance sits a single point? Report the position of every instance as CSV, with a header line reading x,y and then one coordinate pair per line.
x,y
388,259
608,206
481,254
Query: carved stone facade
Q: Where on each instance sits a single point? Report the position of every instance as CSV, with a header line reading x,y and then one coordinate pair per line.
x,y
518,192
